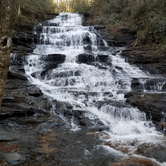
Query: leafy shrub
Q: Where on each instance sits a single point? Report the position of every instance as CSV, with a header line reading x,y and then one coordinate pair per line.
x,y
146,17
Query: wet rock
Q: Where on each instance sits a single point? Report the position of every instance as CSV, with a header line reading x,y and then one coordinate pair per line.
x,y
82,122
119,68
102,58
142,84
157,152
103,48
100,42
19,97
7,135
54,24
87,39
93,60
136,60
12,158
34,91
52,60
4,163
123,37
24,43
99,27
113,103
133,161
68,112
134,53
155,84
23,49
17,60
161,126
85,58
46,73
59,58
68,106
78,114
139,85
13,75
88,47
38,28
21,104
119,147
152,104
24,39
99,128
152,64
43,128
33,119
36,137
136,85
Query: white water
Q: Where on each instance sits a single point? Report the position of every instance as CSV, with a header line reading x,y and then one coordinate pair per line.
x,y
96,89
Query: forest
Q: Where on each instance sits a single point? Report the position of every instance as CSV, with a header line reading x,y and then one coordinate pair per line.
x,y
146,18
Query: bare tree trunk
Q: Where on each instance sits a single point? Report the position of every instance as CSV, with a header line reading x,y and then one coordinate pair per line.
x,y
6,13
19,10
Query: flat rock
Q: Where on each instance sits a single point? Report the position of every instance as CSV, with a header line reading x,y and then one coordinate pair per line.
x,y
21,98
138,56
14,75
7,135
93,59
12,158
157,152
85,58
133,161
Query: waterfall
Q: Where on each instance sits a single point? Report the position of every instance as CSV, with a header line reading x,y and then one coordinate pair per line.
x,y
72,63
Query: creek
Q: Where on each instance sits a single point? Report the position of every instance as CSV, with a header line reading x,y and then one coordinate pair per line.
x,y
73,64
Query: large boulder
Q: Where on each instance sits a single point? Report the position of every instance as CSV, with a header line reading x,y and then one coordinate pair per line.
x,y
93,59
55,58
153,105
157,152
135,161
138,56
22,98
85,58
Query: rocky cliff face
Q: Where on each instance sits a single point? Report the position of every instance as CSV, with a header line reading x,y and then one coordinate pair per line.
x,y
152,103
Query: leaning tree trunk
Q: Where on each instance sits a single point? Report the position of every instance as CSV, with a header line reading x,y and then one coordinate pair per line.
x,y
6,19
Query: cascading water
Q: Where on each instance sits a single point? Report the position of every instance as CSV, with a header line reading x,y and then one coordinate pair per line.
x,y
89,77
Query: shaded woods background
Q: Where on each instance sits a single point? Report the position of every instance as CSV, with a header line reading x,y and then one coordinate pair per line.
x,y
146,18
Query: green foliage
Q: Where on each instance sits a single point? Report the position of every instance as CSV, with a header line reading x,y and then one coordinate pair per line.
x,y
14,33
75,6
20,147
146,17
29,11
81,6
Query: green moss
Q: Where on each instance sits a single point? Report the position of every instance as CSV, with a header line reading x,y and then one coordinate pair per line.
x,y
20,147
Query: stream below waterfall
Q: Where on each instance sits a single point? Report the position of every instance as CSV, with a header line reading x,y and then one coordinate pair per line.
x,y
74,65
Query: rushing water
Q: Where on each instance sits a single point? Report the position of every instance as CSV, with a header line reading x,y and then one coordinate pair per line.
x,y
92,77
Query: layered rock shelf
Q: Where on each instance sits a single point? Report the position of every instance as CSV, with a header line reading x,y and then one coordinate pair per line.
x,y
32,135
